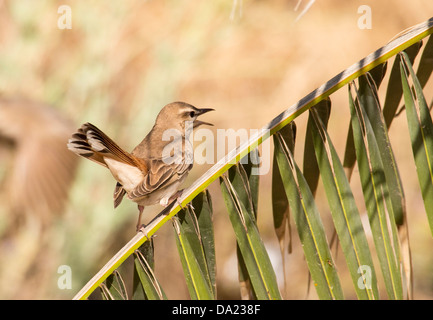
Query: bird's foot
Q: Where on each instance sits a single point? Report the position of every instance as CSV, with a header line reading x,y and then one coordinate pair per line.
x,y
176,197
143,230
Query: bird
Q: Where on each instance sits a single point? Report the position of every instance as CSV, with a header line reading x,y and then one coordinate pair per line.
x,y
156,167
34,181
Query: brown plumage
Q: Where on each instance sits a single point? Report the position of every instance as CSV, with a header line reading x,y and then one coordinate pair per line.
x,y
148,175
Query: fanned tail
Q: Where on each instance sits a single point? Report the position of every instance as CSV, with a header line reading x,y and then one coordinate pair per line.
x,y
93,144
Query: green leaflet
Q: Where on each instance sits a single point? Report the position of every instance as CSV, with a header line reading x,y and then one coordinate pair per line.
x,y
280,204
421,133
145,284
368,98
195,241
377,73
254,255
308,224
394,90
425,67
310,167
344,212
374,187
246,183
114,288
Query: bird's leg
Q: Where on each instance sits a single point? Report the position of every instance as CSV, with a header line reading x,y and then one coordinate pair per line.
x,y
139,226
140,211
176,197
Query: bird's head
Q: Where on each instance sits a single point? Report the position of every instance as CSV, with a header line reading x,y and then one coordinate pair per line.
x,y
177,115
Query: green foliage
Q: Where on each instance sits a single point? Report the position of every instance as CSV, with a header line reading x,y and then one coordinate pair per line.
x,y
196,246
255,265
345,214
421,132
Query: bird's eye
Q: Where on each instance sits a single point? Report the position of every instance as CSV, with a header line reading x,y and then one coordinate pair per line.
x,y
192,114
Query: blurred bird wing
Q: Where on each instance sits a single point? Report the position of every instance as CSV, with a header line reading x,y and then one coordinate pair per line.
x,y
39,171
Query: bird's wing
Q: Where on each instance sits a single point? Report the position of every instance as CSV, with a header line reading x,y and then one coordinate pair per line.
x,y
39,171
118,195
160,175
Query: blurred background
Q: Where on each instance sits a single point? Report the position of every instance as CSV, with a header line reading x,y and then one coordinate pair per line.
x,y
116,67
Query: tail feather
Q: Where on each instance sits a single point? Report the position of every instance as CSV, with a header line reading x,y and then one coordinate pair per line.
x,y
92,143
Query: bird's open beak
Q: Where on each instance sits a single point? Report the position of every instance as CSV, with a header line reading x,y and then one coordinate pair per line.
x,y
199,113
